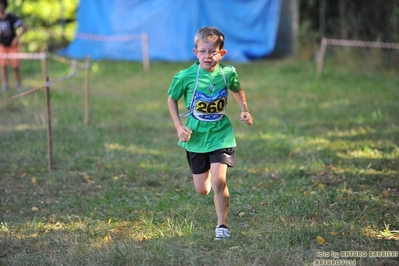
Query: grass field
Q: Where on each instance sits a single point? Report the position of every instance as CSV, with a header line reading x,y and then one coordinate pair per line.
x,y
315,176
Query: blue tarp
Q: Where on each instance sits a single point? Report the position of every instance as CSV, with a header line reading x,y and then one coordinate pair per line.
x,y
250,28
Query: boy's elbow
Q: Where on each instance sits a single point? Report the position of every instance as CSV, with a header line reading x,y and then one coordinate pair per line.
x,y
170,100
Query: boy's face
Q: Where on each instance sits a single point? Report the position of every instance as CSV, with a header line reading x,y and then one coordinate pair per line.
x,y
208,54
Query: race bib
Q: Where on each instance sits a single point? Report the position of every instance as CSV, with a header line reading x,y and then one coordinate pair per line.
x,y
209,108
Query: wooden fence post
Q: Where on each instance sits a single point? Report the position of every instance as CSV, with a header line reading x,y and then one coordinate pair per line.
x,y
43,60
320,59
87,90
144,47
49,133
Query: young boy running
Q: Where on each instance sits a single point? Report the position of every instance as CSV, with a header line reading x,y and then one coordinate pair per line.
x,y
208,135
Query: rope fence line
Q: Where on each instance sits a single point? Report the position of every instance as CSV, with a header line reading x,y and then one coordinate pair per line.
x,y
78,70
366,44
107,38
348,43
122,38
31,56
76,67
22,94
64,60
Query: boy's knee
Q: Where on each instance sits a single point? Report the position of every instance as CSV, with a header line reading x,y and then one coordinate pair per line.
x,y
203,191
219,185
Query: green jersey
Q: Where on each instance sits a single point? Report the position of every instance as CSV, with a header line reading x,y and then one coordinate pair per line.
x,y
205,96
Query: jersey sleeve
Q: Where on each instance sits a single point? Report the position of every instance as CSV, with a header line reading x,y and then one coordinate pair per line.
x,y
234,84
176,88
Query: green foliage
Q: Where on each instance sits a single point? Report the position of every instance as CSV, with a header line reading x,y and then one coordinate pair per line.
x,y
51,24
366,20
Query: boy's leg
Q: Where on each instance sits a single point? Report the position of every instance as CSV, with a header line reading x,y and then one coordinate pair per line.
x,y
4,64
202,183
209,172
4,77
199,165
221,192
15,64
17,75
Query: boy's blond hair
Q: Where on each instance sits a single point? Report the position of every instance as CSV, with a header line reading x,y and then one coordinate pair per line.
x,y
208,34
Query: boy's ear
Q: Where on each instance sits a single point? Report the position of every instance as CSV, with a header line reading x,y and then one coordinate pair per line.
x,y
223,52
195,51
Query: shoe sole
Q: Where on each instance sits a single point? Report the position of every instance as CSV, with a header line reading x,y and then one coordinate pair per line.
x,y
221,238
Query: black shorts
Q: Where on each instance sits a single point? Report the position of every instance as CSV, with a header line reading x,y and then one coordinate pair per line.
x,y
201,162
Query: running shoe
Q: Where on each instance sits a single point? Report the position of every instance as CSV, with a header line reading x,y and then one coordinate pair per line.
x,y
222,232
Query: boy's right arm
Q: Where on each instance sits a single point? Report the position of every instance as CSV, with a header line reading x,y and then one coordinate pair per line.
x,y
183,132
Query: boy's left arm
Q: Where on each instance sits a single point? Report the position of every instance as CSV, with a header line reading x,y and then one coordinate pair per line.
x,y
242,102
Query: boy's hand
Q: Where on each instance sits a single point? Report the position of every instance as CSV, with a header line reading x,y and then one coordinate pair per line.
x,y
184,133
246,117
